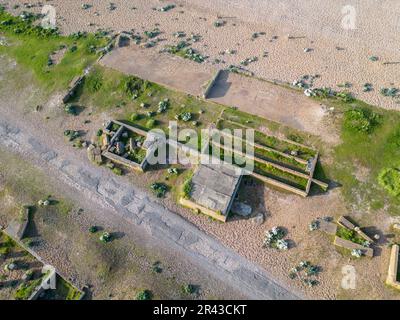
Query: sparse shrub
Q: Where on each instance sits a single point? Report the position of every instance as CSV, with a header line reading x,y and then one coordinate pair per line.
x,y
390,92
274,239
361,120
187,188
314,225
305,272
159,189
93,229
117,171
144,295
189,288
71,109
163,105
134,116
105,237
94,81
151,123
99,133
356,253
310,282
389,179
156,267
173,171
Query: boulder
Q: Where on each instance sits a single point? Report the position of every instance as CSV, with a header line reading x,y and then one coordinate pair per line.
x,y
94,154
241,209
258,219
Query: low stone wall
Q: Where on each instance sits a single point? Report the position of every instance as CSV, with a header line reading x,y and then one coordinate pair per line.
x,y
349,225
118,159
327,226
369,252
211,84
17,227
75,83
392,279
194,206
39,289
280,185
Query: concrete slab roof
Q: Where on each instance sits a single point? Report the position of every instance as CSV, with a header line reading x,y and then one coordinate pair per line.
x,y
214,186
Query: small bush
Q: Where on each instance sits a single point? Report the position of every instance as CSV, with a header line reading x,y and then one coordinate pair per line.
x,y
25,290
117,171
134,116
156,267
134,86
361,120
144,295
151,123
187,188
350,235
105,237
159,189
189,288
389,179
71,109
94,82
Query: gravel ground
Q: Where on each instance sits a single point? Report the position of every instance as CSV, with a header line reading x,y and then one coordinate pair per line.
x,y
338,55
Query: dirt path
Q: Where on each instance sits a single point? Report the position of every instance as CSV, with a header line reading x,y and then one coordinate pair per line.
x,y
21,134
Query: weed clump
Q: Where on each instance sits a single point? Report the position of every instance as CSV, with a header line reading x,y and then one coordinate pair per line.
x,y
389,179
361,120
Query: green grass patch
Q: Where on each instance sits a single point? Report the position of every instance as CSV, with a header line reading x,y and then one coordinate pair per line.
x,y
376,150
350,235
389,179
25,290
31,47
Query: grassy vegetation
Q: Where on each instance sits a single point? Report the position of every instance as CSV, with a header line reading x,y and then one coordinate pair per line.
x,y
233,121
350,235
187,188
66,291
279,175
144,295
28,185
370,143
32,47
8,250
137,102
25,290
6,244
264,169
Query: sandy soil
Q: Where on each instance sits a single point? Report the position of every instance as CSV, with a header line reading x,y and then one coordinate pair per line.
x,y
338,55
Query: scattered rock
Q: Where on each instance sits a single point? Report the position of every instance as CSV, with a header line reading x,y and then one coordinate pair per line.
x,y
241,209
258,219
